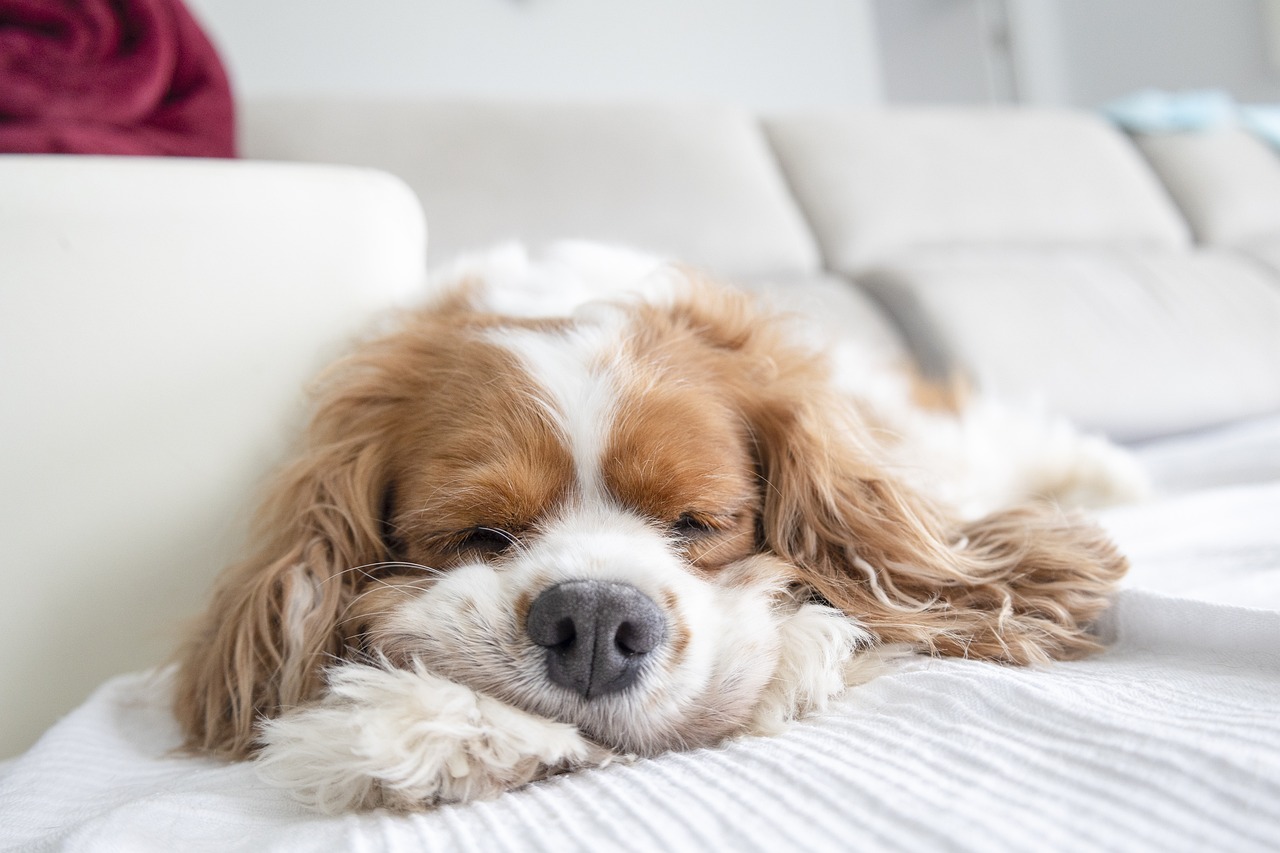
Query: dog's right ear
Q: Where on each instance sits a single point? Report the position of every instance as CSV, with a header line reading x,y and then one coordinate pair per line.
x,y
276,620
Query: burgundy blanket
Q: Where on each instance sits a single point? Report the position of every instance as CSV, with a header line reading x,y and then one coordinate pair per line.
x,y
110,77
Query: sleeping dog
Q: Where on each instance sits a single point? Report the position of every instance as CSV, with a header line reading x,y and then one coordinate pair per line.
x,y
591,505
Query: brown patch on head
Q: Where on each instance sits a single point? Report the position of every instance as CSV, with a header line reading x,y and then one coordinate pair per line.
x,y
479,451
678,451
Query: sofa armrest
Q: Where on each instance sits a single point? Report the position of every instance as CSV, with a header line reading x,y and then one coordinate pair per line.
x,y
158,322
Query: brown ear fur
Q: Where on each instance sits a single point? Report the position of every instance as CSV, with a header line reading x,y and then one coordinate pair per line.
x,y
1019,586
276,619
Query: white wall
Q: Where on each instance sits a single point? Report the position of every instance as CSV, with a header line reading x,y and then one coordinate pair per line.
x,y
764,54
933,51
1116,46
1072,52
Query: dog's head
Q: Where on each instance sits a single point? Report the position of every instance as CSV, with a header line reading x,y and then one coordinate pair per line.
x,y
652,519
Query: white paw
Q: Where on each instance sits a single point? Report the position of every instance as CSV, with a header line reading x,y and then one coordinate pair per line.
x,y
408,739
821,654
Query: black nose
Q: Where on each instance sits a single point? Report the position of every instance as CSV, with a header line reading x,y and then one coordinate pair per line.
x,y
597,634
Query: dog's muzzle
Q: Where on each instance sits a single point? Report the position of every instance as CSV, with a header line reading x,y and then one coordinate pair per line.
x,y
598,634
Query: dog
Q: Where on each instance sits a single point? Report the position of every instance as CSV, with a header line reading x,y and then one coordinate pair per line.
x,y
591,505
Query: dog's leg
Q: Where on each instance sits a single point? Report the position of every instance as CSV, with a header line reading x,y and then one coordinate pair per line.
x,y
409,739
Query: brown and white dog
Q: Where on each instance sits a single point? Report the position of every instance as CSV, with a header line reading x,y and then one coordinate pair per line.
x,y
590,505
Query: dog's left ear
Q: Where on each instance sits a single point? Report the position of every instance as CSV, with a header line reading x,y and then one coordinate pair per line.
x,y
1019,586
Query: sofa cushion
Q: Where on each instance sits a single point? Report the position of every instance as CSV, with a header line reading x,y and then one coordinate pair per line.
x,y
836,309
876,183
159,321
1136,343
695,183
1227,183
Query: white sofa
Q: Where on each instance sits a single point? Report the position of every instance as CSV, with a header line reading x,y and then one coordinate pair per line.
x,y
1134,288
158,320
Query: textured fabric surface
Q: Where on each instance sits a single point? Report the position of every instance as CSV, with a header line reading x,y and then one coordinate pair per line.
x,y
1180,550
1134,343
101,77
1227,182
874,184
1168,741
688,182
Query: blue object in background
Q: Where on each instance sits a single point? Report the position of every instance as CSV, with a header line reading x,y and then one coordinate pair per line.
x,y
1155,111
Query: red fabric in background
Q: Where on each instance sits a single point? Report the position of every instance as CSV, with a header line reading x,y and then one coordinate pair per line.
x,y
111,77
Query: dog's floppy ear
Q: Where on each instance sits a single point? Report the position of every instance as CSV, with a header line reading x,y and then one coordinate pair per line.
x,y
1019,586
276,619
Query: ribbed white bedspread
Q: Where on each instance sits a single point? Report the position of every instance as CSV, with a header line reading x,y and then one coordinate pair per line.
x,y
1168,741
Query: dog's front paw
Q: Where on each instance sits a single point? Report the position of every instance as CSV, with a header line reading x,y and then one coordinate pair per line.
x,y
408,739
822,651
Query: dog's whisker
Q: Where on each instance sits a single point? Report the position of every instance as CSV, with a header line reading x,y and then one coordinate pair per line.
x,y
405,586
367,570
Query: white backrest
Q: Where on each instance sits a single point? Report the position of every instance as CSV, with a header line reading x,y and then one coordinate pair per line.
x,y
1226,181
159,320
688,181
878,183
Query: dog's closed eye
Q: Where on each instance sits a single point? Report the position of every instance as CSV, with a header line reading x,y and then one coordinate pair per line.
x,y
484,541
692,526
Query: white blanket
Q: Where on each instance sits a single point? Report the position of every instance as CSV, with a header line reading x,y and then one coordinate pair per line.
x,y
1168,741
